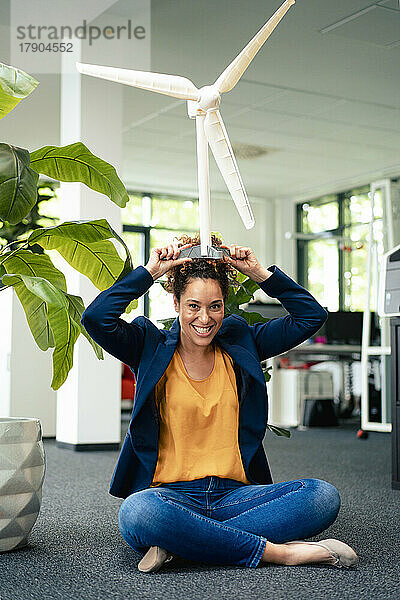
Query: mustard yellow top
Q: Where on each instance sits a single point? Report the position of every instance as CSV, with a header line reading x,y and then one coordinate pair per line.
x,y
199,422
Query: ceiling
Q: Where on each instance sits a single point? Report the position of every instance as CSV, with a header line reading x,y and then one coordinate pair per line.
x,y
322,96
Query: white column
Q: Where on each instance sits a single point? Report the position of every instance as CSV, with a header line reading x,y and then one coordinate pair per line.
x,y
285,249
89,402
25,370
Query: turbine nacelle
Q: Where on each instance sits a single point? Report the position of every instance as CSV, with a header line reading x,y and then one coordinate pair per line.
x,y
209,99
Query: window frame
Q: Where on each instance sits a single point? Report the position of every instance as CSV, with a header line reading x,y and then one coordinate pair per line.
x,y
302,255
147,229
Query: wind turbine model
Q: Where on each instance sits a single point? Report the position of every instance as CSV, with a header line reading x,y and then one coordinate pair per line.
x,y
203,106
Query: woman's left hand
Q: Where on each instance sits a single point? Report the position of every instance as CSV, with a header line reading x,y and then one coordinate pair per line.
x,y
245,261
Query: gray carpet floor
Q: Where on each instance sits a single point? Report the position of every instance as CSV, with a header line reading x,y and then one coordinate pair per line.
x,y
77,552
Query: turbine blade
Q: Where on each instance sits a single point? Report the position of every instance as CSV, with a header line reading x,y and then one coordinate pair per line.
x,y
233,72
171,85
222,150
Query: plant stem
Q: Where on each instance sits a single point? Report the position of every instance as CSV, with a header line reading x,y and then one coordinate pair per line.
x,y
25,243
2,250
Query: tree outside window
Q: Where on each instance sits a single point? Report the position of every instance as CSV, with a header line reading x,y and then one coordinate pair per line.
x,y
334,271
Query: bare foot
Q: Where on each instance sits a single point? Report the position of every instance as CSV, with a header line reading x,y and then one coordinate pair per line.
x,y
275,553
295,554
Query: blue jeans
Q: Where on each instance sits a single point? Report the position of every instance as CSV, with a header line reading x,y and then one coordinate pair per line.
x,y
223,521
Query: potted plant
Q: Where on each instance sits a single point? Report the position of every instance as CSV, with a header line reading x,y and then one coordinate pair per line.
x,y
53,315
22,470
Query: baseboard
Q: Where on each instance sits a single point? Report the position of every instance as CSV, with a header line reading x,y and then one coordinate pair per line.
x,y
88,447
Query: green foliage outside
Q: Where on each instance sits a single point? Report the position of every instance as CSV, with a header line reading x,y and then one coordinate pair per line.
x,y
323,255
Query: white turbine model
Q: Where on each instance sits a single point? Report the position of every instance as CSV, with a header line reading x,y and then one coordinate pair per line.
x,y
203,105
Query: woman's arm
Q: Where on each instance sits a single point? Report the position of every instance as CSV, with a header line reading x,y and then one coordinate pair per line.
x,y
245,261
163,259
101,319
306,316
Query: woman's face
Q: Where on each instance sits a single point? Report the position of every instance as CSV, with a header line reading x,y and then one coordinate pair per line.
x,y
201,311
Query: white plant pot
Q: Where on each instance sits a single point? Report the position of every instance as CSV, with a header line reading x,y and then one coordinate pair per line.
x,y
22,469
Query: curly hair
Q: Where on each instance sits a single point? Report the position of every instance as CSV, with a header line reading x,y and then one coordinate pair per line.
x,y
203,268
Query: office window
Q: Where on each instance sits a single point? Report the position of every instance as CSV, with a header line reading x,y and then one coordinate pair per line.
x,y
149,221
173,214
316,215
320,256
357,216
333,270
134,212
49,206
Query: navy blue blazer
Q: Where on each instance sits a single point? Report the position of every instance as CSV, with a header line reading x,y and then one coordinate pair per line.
x,y
148,351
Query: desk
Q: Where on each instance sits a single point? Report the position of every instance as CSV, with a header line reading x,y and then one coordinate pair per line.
x,y
335,349
320,352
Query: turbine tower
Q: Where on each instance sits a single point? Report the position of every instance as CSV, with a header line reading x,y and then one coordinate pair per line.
x,y
203,106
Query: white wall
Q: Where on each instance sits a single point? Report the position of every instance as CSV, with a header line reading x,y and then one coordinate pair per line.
x,y
285,250
225,219
5,350
267,238
32,370
25,370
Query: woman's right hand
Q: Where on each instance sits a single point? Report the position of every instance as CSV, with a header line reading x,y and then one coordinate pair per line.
x,y
163,259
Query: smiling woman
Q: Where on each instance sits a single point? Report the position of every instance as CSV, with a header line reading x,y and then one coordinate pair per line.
x,y
201,311
199,288
192,469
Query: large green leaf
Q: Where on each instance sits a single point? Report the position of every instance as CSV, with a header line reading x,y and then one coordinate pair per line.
x,y
40,265
14,86
25,262
75,309
85,246
231,304
251,317
267,374
166,322
240,296
76,163
64,328
245,291
18,191
279,430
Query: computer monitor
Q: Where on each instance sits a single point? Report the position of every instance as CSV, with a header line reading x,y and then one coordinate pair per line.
x,y
345,327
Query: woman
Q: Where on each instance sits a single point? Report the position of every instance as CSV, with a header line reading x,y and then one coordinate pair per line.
x,y
192,470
